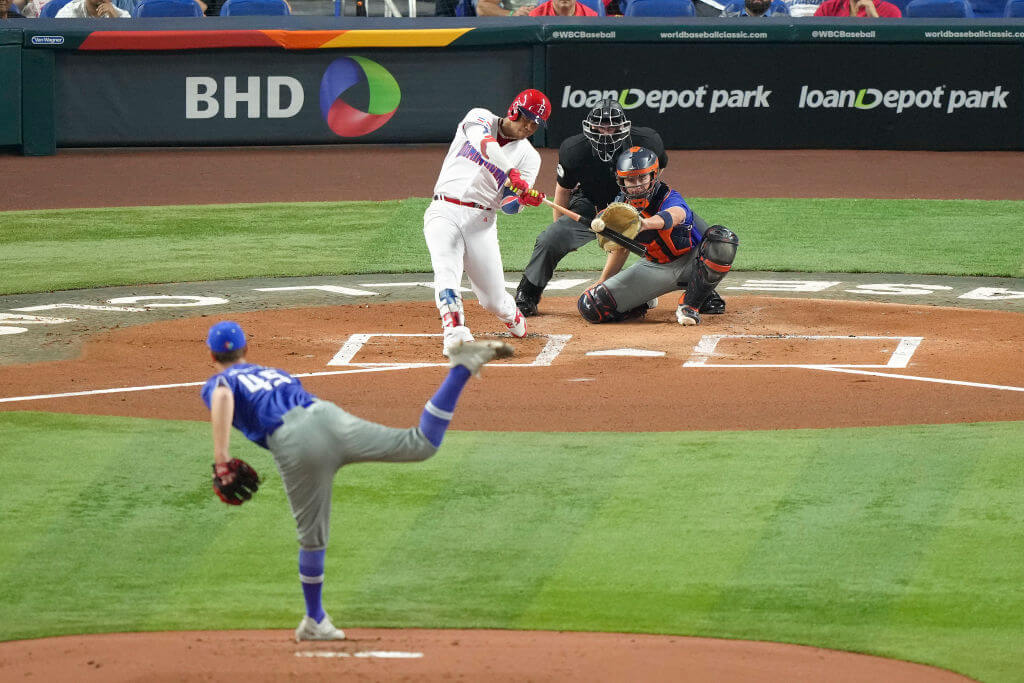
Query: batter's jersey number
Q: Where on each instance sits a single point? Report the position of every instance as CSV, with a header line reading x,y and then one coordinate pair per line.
x,y
264,380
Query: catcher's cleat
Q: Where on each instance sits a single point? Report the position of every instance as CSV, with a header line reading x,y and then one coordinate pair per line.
x,y
652,303
473,354
715,304
454,336
517,328
311,630
687,315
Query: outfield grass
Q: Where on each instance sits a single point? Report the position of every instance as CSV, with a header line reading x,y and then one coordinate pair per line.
x,y
900,541
122,246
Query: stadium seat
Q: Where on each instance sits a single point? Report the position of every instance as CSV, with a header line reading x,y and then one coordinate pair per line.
x,y
777,8
902,4
988,8
596,5
259,8
51,8
167,8
659,8
1014,8
465,8
945,9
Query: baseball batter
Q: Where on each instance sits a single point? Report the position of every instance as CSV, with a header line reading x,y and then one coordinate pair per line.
x,y
678,254
490,165
311,439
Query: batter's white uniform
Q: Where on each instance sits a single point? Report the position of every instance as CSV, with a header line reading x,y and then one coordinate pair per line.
x,y
460,224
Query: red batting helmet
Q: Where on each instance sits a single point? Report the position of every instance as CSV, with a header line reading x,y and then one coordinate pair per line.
x,y
533,104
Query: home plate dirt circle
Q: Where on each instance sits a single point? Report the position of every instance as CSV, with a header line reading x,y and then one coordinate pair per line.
x,y
436,655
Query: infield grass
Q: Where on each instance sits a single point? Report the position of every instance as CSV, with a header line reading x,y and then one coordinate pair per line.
x,y
903,541
78,248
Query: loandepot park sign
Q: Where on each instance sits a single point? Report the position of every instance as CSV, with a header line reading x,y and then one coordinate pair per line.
x,y
902,100
701,97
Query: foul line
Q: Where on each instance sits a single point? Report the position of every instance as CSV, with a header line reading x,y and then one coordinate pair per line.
x,y
914,378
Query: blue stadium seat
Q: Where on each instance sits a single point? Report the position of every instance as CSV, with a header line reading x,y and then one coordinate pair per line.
x,y
777,8
946,9
167,8
465,8
260,8
51,8
1014,8
902,4
988,8
659,8
596,5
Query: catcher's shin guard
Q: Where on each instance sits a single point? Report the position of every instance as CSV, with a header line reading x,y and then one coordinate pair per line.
x,y
449,303
597,305
715,255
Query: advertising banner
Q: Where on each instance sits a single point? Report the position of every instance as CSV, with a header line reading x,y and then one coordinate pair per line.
x,y
268,97
763,96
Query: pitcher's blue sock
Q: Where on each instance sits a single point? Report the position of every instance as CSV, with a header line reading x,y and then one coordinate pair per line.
x,y
311,574
438,411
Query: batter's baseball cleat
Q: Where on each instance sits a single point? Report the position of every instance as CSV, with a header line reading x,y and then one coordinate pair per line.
x,y
455,335
473,354
311,630
687,315
715,304
517,328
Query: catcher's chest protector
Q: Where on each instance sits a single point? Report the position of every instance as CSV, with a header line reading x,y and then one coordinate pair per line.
x,y
667,244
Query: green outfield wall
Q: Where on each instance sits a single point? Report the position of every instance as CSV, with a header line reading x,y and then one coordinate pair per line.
x,y
703,83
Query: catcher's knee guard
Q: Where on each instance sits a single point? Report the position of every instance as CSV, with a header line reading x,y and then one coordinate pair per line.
x,y
597,305
716,253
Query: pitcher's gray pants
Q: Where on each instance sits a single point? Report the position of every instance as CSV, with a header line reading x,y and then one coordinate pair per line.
x,y
315,442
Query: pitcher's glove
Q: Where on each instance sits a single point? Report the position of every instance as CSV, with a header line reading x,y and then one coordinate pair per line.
x,y
620,217
235,481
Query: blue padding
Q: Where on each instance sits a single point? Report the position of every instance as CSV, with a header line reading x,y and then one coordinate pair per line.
x,y
946,9
168,8
660,8
261,8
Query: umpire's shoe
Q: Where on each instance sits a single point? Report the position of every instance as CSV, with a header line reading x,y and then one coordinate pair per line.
x,y
687,315
473,354
311,630
715,304
528,298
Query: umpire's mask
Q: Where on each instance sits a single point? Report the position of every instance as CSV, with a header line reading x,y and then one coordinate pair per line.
x,y
607,128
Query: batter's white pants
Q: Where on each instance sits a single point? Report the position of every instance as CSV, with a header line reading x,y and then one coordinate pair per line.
x,y
464,239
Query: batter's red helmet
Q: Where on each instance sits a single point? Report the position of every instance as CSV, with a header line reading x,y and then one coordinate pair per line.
x,y
533,104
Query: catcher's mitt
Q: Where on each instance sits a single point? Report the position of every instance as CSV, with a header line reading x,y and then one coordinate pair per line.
x,y
241,487
623,219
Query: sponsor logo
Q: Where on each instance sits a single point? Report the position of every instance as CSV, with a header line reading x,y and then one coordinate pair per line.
x,y
343,118
903,100
701,97
47,40
278,97
573,35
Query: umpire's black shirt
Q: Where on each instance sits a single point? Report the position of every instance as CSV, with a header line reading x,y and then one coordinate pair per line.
x,y
597,187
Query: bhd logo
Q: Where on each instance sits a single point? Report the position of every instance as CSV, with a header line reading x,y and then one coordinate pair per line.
x,y
344,119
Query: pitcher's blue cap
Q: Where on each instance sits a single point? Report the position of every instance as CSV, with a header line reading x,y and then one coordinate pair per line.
x,y
225,336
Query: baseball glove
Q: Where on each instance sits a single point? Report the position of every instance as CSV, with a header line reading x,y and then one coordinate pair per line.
x,y
241,487
620,217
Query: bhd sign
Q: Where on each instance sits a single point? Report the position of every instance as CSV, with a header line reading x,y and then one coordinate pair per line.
x,y
278,97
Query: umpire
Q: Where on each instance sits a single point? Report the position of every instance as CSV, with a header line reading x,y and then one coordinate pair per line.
x,y
586,184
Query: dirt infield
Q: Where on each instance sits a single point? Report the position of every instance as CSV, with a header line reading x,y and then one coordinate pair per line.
x,y
776,363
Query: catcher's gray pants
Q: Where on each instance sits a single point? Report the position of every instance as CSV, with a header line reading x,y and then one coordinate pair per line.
x,y
559,239
645,280
315,442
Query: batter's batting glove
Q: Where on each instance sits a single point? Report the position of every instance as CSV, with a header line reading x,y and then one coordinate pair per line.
x,y
532,197
516,182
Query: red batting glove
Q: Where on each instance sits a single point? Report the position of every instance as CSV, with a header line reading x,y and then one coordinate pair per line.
x,y
516,182
532,197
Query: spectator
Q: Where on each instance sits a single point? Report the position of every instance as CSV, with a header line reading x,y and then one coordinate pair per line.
x,y
562,8
858,8
79,9
502,8
9,10
755,8
32,7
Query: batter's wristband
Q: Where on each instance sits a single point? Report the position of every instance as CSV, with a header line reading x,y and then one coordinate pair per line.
x,y
667,217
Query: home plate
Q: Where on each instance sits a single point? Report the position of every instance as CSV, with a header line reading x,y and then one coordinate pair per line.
x,y
640,353
376,654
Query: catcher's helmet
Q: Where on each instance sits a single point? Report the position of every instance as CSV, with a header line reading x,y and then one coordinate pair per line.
x,y
640,167
607,128
533,104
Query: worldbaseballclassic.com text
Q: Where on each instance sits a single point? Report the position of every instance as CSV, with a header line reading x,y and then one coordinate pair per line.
x,y
698,98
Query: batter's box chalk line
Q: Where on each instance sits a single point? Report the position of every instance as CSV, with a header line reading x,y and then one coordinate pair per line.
x,y
552,347
704,352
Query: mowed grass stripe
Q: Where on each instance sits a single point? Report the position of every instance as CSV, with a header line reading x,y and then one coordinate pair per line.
x,y
192,243
899,541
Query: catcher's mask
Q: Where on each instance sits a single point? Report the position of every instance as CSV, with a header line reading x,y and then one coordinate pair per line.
x,y
637,172
607,128
533,104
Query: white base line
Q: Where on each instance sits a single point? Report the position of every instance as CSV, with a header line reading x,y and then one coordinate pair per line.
x,y
916,378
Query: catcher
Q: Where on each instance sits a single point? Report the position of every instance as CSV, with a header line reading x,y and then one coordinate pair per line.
x,y
675,253
311,439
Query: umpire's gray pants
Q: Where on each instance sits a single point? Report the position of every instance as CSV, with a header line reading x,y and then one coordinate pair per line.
x,y
315,442
559,239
